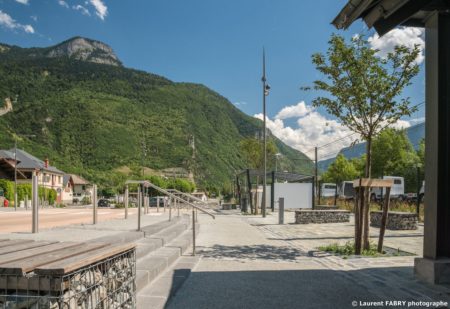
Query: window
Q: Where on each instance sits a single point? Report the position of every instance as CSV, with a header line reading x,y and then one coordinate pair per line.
x,y
397,181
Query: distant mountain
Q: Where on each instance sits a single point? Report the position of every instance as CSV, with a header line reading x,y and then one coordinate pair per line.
x,y
76,48
414,133
91,116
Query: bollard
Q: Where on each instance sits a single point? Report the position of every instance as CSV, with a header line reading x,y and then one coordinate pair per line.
x,y
35,202
157,204
193,232
281,210
170,209
26,202
165,203
125,201
178,207
139,208
146,201
94,203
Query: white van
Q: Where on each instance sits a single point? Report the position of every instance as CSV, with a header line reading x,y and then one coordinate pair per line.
x,y
328,190
346,190
397,189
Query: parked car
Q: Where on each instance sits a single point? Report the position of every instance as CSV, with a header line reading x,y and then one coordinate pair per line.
x,y
103,203
154,201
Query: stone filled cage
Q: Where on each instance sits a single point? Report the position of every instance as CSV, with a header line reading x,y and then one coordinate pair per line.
x,y
109,283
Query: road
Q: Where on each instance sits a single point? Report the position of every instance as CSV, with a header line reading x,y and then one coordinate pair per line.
x,y
20,220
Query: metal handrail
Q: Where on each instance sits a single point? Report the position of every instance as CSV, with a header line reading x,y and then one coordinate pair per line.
x,y
149,184
146,183
188,196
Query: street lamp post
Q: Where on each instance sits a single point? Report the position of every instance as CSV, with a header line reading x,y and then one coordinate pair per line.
x,y
266,88
15,174
15,168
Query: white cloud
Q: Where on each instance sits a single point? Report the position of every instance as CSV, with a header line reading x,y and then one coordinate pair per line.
x,y
292,111
63,3
82,9
34,17
401,124
407,36
100,8
22,1
240,103
28,29
315,129
8,22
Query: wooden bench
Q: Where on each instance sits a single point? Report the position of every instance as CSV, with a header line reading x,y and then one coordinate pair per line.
x,y
25,264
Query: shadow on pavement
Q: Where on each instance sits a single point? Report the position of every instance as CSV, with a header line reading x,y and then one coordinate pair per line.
x,y
312,288
264,252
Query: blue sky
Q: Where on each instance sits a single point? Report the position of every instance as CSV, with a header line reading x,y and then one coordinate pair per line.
x,y
215,43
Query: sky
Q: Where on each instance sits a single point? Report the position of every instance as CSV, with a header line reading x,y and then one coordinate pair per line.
x,y
219,44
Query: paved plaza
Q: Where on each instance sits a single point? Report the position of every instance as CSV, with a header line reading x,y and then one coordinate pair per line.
x,y
252,262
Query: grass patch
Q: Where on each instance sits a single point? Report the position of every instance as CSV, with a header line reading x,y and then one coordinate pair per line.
x,y
348,250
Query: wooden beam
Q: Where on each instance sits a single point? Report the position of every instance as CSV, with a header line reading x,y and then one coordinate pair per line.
x,y
373,183
66,266
22,266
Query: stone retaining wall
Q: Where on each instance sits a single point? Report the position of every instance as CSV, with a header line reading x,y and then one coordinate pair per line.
x,y
395,220
305,216
325,207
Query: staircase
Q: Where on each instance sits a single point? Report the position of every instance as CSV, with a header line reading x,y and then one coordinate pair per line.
x,y
159,252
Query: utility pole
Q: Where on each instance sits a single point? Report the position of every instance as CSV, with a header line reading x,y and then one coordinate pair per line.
x,y
266,88
316,170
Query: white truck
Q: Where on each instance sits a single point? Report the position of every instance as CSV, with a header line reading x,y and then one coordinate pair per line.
x,y
328,189
397,189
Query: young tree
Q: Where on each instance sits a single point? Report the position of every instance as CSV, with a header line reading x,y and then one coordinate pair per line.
x,y
254,157
340,170
362,90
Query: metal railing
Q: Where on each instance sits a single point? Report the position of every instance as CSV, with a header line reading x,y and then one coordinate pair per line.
x,y
189,196
175,198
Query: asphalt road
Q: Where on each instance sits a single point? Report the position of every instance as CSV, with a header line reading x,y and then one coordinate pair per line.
x,y
20,220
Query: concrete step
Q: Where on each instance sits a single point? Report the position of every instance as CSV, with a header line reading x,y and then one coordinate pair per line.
x,y
171,232
157,227
157,294
154,263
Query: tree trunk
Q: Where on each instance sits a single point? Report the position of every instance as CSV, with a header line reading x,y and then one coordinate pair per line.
x,y
256,195
366,206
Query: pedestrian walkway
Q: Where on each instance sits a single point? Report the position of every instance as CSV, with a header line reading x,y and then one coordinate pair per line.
x,y
251,262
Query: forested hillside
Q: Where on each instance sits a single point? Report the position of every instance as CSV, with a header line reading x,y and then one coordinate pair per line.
x,y
90,118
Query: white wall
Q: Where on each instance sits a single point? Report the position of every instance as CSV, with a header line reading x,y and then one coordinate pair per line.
x,y
296,195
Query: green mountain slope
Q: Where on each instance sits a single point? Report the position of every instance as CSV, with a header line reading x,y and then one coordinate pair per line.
x,y
90,117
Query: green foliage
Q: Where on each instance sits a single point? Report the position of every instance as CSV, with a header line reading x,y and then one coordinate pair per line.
x,y
47,194
90,119
8,189
252,151
392,153
340,170
24,191
349,249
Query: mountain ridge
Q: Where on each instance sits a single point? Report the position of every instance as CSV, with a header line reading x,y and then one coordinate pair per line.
x,y
78,48
92,118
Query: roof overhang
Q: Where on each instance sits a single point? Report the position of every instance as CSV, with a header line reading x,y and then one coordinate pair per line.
x,y
384,15
9,168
